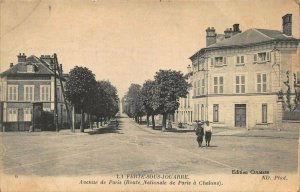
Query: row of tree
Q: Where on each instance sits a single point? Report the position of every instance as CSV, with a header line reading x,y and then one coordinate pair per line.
x,y
96,98
158,96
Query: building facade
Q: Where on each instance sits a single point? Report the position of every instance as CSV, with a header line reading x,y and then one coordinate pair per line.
x,y
237,76
29,81
184,114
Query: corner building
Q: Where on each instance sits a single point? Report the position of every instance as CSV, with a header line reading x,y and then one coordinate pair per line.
x,y
237,76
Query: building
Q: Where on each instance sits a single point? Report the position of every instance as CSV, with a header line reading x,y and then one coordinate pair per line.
x,y
29,81
184,114
237,76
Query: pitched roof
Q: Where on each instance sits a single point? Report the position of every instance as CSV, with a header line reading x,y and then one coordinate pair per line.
x,y
20,68
248,37
252,36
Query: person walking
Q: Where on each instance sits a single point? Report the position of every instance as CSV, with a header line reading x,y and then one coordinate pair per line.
x,y
199,132
208,133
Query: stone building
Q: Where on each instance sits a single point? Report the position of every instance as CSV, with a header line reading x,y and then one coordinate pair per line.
x,y
184,113
237,76
29,81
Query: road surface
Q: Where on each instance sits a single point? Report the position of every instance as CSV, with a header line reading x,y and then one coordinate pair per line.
x,y
138,149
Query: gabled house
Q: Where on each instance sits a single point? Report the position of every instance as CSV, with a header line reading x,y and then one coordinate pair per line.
x,y
29,81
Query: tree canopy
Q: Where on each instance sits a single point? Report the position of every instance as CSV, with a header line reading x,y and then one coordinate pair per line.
x,y
160,96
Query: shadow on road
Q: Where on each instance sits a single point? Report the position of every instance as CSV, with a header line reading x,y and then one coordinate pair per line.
x,y
173,130
110,129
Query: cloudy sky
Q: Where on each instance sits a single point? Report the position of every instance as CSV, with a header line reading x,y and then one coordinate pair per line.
x,y
127,41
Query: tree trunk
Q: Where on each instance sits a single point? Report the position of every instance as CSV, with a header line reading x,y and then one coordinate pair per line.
x,y
82,119
164,120
73,119
97,122
90,119
147,120
153,122
101,120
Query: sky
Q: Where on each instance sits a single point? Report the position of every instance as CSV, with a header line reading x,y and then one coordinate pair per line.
x,y
127,41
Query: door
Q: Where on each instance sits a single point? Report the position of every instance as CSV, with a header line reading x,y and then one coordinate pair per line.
x,y
240,115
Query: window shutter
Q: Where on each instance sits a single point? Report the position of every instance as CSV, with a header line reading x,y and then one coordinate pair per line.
x,y
268,56
270,113
224,60
212,61
237,59
254,58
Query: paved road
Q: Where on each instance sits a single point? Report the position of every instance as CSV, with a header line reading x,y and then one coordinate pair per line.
x,y
138,149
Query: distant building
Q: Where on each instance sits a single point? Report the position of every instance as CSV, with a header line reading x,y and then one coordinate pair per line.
x,y
237,76
184,113
30,80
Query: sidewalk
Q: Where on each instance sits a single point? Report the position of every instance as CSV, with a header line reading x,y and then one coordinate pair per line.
x,y
238,132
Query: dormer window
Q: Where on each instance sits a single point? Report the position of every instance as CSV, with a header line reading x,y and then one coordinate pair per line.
x,y
29,68
261,57
218,61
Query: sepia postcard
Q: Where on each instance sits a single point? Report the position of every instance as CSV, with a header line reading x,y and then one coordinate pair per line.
x,y
150,95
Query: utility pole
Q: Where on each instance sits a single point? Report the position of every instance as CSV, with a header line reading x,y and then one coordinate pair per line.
x,y
55,97
63,93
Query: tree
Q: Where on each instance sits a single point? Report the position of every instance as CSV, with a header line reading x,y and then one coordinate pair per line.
x,y
134,102
79,88
287,101
106,104
150,100
171,86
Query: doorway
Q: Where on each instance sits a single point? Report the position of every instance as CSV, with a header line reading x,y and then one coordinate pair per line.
x,y
240,115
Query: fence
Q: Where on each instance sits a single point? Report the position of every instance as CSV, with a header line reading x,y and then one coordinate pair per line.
x,y
291,115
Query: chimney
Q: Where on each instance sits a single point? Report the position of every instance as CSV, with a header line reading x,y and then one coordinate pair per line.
x,y
228,33
211,36
236,29
61,69
21,58
11,65
287,24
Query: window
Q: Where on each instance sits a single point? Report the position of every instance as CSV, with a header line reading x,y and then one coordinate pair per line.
x,y
27,114
202,112
240,60
45,93
28,92
195,109
12,114
261,83
12,92
198,111
220,61
216,112
198,88
203,86
264,113
29,68
240,84
261,57
218,85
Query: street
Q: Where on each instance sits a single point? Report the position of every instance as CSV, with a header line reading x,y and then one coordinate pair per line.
x,y
135,149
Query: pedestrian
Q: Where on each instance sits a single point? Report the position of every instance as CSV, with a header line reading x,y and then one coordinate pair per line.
x,y
199,132
208,133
